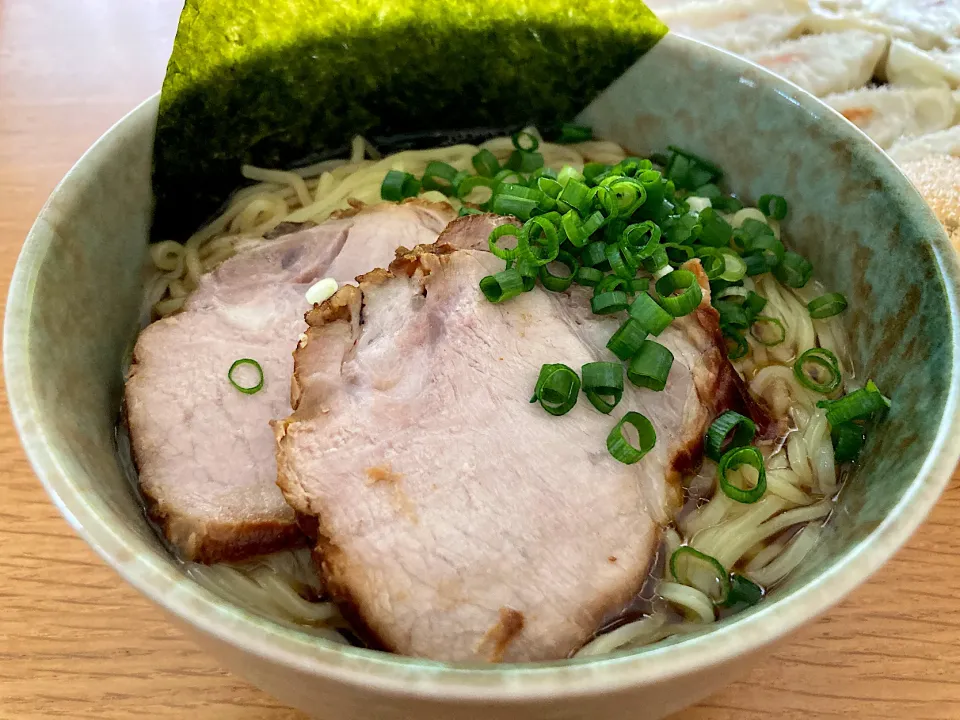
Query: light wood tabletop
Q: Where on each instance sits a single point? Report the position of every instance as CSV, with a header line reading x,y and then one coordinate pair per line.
x,y
76,642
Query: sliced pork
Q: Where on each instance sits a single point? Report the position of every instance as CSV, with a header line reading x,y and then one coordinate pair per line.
x,y
456,520
204,450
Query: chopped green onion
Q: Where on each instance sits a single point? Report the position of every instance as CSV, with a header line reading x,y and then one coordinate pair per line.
x,y
485,163
715,231
557,389
650,366
737,346
506,230
549,187
594,254
690,171
767,247
652,318
620,447
628,338
629,194
712,262
527,142
439,176
578,196
466,184
613,282
607,303
682,229
858,405
793,270
524,162
559,283
848,439
734,459
754,303
467,210
619,264
657,261
571,133
540,248
642,238
773,206
756,264
768,331
818,369
579,231
588,276
568,173
246,389
731,315
697,570
603,384
398,185
504,285
513,205
743,592
734,266
730,430
593,170
827,306
655,186
678,254
689,296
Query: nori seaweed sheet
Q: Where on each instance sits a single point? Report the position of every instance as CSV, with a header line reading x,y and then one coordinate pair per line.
x,y
277,83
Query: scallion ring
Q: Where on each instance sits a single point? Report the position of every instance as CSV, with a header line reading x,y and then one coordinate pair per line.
x,y
858,405
793,270
588,276
603,384
607,303
398,185
559,283
743,592
827,306
246,389
524,141
773,206
818,369
650,366
628,338
557,389
730,430
622,449
697,570
768,330
734,459
652,318
538,241
485,163
506,230
439,176
504,285
680,293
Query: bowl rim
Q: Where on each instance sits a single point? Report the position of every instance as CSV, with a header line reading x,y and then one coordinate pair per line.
x,y
399,676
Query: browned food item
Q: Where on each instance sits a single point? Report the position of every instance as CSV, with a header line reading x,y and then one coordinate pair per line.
x,y
204,450
937,177
457,521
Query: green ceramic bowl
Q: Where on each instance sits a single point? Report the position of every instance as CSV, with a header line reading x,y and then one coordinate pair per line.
x,y
73,309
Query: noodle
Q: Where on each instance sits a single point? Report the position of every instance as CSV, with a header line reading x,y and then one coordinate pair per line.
x,y
766,539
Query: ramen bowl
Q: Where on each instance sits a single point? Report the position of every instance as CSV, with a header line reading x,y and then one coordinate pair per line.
x,y
74,308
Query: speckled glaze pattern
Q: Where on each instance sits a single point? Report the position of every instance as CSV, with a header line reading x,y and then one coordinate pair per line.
x,y
72,314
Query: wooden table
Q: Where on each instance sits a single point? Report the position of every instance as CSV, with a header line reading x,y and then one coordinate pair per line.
x,y
77,642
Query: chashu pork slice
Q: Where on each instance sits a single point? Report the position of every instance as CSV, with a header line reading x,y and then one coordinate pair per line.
x,y
456,520
204,450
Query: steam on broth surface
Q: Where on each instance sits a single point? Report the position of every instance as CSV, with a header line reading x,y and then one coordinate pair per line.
x,y
654,240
